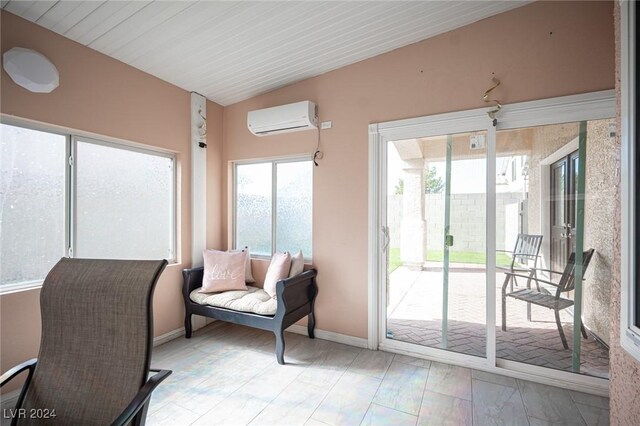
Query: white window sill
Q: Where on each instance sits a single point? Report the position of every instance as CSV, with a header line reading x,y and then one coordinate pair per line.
x,y
17,287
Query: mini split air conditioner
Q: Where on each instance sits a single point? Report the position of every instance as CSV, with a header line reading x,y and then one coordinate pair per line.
x,y
284,118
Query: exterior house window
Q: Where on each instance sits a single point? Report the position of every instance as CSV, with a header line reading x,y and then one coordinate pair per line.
x,y
64,195
273,206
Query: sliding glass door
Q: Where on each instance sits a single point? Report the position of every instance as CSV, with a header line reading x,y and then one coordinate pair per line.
x,y
494,242
436,276
560,180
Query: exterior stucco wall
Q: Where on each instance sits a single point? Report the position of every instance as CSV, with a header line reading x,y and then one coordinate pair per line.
x,y
599,213
545,140
624,388
598,216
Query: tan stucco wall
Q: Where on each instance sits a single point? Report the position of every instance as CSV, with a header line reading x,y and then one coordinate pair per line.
x,y
545,140
599,214
599,199
624,387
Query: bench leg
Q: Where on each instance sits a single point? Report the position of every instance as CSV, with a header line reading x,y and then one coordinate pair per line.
x,y
279,346
187,325
311,325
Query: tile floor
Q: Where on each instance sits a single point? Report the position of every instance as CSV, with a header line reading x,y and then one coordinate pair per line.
x,y
227,375
415,312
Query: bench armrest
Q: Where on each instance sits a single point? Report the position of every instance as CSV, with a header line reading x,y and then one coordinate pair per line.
x,y
291,293
192,279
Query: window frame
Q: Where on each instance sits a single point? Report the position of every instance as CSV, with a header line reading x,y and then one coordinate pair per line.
x,y
72,137
274,200
629,285
75,138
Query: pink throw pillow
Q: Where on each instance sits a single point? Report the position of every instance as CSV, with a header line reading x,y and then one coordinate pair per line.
x,y
278,270
223,271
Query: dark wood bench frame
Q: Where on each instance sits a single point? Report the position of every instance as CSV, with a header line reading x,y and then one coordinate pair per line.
x,y
295,297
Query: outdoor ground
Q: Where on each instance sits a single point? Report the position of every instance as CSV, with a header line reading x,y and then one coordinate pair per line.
x,y
415,312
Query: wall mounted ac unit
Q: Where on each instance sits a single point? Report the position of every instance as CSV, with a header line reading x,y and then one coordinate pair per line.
x,y
284,118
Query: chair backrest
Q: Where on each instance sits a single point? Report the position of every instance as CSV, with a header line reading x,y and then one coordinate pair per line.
x,y
527,249
97,337
567,280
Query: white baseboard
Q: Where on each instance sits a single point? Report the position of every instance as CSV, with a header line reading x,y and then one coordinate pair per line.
x,y
358,342
164,338
331,336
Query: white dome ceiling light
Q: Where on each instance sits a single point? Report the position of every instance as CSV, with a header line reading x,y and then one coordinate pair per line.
x,y
31,70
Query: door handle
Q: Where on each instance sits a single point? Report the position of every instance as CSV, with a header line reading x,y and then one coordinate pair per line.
x,y
448,240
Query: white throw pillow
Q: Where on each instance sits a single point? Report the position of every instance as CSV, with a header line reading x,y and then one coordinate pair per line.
x,y
297,264
278,270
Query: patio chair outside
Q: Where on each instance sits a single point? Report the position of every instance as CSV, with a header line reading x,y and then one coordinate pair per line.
x,y
95,350
525,252
543,298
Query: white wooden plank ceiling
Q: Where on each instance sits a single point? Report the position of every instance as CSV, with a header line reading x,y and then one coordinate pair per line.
x,y
232,50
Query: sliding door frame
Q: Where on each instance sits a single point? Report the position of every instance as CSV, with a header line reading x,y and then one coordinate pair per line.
x,y
574,108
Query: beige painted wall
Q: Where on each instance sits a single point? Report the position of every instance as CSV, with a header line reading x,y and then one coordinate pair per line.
x,y
624,387
101,95
541,50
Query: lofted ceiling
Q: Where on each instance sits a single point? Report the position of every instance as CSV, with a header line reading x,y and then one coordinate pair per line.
x,y
233,50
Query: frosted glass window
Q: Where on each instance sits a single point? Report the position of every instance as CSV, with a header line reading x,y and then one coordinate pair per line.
x,y
293,207
254,207
273,207
32,203
124,203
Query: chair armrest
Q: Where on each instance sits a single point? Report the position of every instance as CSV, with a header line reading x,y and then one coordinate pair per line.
x,y
192,279
291,293
532,277
13,372
547,270
141,398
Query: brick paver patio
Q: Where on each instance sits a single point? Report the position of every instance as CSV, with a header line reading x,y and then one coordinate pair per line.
x,y
415,310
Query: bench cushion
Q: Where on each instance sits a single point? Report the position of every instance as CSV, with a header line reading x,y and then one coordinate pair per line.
x,y
254,300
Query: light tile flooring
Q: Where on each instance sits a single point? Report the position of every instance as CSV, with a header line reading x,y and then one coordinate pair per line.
x,y
228,375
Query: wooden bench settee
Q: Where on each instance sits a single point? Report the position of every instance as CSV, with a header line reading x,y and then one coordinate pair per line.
x,y
295,299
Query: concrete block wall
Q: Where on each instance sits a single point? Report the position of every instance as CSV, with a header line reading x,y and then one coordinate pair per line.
x,y
468,212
